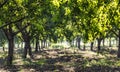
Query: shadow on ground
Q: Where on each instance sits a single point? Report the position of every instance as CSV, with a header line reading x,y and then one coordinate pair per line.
x,y
57,60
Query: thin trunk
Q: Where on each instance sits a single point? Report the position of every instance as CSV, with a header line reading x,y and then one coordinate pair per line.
x,y
78,39
73,43
91,46
3,48
103,42
107,42
110,42
44,43
18,45
117,41
22,45
76,42
37,45
113,42
118,55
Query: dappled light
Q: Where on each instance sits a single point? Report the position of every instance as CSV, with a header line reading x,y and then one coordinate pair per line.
x,y
60,60
59,36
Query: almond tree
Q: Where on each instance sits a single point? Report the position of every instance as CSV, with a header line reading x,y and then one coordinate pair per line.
x,y
10,14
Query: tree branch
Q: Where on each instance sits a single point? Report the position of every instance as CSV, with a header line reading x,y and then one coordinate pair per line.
x,y
12,22
1,5
21,29
115,33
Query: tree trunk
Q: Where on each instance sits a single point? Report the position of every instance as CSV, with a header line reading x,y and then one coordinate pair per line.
x,y
99,43
91,46
103,42
41,44
110,42
10,36
76,42
18,45
37,45
30,50
118,55
3,49
27,48
84,47
21,45
73,43
78,39
44,43
10,51
116,41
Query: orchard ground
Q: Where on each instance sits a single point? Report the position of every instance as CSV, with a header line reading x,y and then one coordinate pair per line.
x,y
63,59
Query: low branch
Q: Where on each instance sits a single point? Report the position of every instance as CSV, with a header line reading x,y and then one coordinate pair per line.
x,y
12,22
20,30
1,5
115,33
20,27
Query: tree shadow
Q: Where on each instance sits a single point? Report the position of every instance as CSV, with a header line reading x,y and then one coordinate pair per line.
x,y
51,64
97,68
32,68
2,61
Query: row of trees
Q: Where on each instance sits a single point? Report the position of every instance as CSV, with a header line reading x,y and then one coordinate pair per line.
x,y
55,20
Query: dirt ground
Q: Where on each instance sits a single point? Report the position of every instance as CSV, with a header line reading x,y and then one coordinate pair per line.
x,y
57,60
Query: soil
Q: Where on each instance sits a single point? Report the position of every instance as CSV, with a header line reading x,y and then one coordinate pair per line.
x,y
56,60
